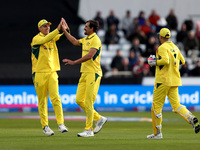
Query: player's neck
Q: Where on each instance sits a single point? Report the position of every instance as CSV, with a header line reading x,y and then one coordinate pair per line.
x,y
91,33
163,41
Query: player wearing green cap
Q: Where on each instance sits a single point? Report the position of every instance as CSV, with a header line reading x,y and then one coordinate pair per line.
x,y
45,64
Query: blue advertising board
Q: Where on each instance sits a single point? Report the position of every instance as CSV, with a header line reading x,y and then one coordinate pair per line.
x,y
109,98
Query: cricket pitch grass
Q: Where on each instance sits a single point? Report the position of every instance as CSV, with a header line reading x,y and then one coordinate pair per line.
x,y
27,134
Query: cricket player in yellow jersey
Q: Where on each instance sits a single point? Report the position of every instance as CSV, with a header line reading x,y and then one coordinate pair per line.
x,y
167,79
89,81
45,64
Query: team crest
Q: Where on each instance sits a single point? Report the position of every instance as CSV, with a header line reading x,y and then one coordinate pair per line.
x,y
88,43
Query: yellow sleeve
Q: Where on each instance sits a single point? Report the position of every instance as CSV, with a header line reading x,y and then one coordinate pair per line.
x,y
41,40
81,41
58,37
96,44
163,57
182,60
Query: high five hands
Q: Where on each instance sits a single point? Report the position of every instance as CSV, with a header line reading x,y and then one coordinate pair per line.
x,y
62,25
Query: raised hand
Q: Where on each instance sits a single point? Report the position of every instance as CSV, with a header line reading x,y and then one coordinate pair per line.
x,y
60,25
64,24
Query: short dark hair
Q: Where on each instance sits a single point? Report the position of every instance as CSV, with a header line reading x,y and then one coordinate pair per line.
x,y
93,24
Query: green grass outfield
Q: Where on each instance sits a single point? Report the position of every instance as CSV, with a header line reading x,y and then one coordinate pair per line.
x,y
26,134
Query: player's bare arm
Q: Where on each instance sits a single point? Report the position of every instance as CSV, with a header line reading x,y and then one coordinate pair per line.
x,y
87,57
72,39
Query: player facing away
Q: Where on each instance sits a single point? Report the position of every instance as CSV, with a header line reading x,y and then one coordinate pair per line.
x,y
91,74
45,64
167,79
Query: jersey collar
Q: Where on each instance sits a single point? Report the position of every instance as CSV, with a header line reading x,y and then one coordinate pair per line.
x,y
41,34
91,36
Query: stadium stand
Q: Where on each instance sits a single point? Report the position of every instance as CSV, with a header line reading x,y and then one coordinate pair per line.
x,y
20,28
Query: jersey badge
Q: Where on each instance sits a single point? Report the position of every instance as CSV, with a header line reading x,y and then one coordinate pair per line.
x,y
88,43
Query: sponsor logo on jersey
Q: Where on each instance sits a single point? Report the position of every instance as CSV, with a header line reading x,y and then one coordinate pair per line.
x,y
47,48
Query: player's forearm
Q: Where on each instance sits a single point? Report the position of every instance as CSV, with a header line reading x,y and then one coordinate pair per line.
x,y
47,38
72,39
83,59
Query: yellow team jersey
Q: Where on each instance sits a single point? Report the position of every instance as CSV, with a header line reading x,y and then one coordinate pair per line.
x,y
45,53
169,58
92,65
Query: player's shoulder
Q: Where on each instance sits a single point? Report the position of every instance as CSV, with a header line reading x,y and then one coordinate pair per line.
x,y
162,46
174,46
82,40
37,36
96,37
167,45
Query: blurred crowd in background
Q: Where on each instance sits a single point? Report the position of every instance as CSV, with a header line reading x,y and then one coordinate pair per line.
x,y
128,42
